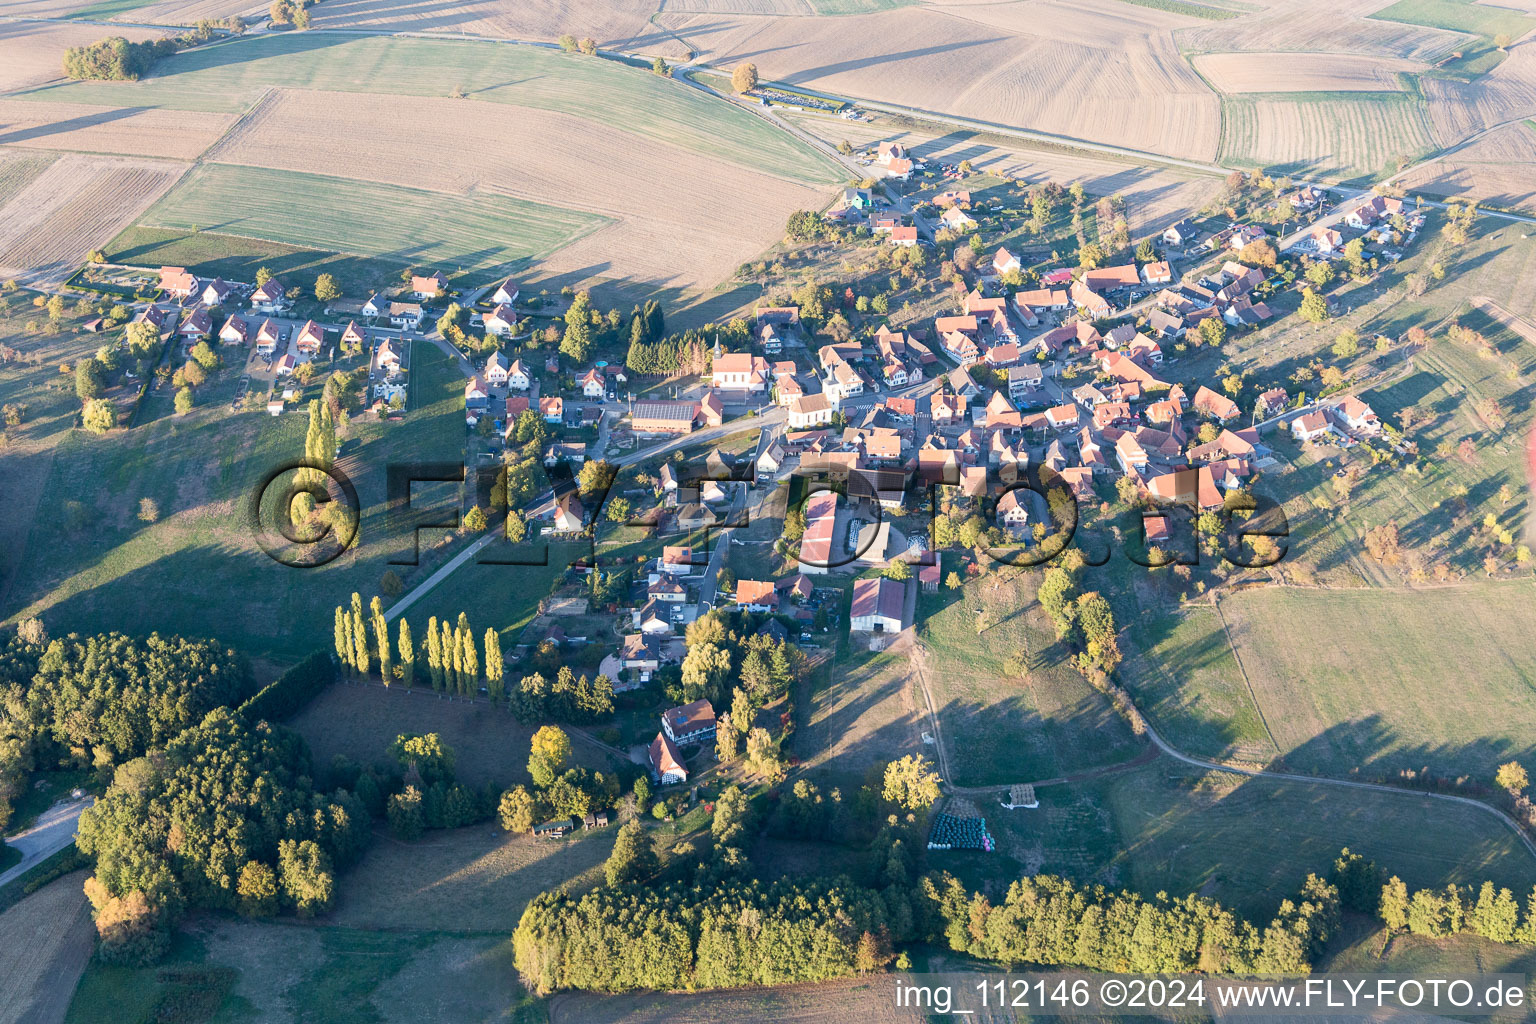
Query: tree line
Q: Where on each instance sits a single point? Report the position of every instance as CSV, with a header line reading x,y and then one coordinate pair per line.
x,y
116,59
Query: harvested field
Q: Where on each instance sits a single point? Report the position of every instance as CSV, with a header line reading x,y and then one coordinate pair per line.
x,y
1496,168
474,879
1458,109
474,232
179,12
32,52
230,77
761,7
78,204
19,169
621,24
489,744
1301,72
174,134
1342,28
1331,134
828,1003
1154,196
48,938
1100,70
662,202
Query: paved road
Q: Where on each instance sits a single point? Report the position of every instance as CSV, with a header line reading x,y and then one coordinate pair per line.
x,y
53,830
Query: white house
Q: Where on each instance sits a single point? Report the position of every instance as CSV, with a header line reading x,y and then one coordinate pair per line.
x,y
499,321
592,383
496,369
517,376
268,298
505,293
666,760
236,331
740,370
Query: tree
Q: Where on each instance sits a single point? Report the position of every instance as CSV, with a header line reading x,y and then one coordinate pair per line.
x,y
1512,778
744,78
953,581
407,649
516,809
1314,308
659,67
618,510
577,339
407,819
1213,331
204,355
588,46
727,740
568,43
911,783
475,520
88,383
381,638
149,510
427,754
1320,273
1393,907
763,755
1502,41
897,570
550,750
257,889
494,666
304,869
326,288
184,401
633,858
99,415
1145,253
1346,345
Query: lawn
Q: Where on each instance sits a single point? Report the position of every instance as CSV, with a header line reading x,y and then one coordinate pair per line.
x,y
1482,20
1010,707
1247,842
474,232
199,569
231,76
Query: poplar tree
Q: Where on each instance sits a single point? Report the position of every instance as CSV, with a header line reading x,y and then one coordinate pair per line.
x,y
471,680
343,639
407,652
493,664
381,638
360,641
453,658
434,654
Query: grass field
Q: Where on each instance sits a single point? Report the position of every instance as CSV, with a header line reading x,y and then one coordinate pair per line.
x,y
1246,842
1205,11
199,570
230,77
1000,726
403,225
1337,135
1482,20
108,9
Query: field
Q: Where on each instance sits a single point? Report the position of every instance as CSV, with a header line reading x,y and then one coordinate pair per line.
x,y
1482,20
34,50
1333,135
475,232
1101,70
361,722
620,24
830,1003
1247,842
235,970
77,204
1494,169
1003,720
48,938
1300,72
174,134
865,710
199,569
661,203
1460,108
231,77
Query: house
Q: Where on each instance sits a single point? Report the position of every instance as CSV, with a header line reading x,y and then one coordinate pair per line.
x,y
1311,426
197,324
476,394
591,383
505,293
857,199
1157,273
691,723
215,292
712,409
1111,279
570,516
1185,486
756,596
518,376
353,338
574,452
1181,233
953,197
694,516
1306,198
407,315
496,370
1090,301
843,382
266,338
1011,513
268,298
374,305
651,419
960,345
1022,379
1269,403
429,286
815,556
1006,262
903,235
1244,235
311,338
1005,354
676,559
740,370
809,411
1359,417
552,409
177,283
236,331
878,606
771,459
285,365
666,761
667,591
654,618
769,338
1217,407
1061,417
928,577
1145,351
945,409
957,219
1326,241
641,653
1244,312
499,321
1157,529
1165,324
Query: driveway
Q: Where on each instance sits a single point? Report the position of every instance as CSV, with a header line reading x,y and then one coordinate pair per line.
x,y
53,830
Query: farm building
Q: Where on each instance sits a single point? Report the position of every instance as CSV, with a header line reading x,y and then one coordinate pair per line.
x,y
653,418
666,761
878,606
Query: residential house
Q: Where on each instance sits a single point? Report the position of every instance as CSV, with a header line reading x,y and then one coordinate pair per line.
x,y
177,283
1111,279
1216,406
505,293
1006,262
843,383
1061,417
518,377
666,761
1270,403
957,219
676,559
878,606
756,596
500,321
1165,324
428,287
216,292
1012,514
1357,416
1311,426
945,409
570,516
353,338
903,235
496,369
476,395
1024,379
1090,301
690,723
236,331
712,409
375,305
552,409
268,298
591,383
406,315
196,324
1181,233
815,556
1326,241
267,337
953,197
857,199
311,338
1157,273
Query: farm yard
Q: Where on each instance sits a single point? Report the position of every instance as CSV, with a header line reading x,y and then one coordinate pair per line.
x,y
1348,135
658,204
1301,72
76,204
477,231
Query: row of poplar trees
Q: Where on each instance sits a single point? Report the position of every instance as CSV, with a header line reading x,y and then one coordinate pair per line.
x,y
453,663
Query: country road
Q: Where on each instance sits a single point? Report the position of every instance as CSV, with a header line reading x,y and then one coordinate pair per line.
x,y
53,830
